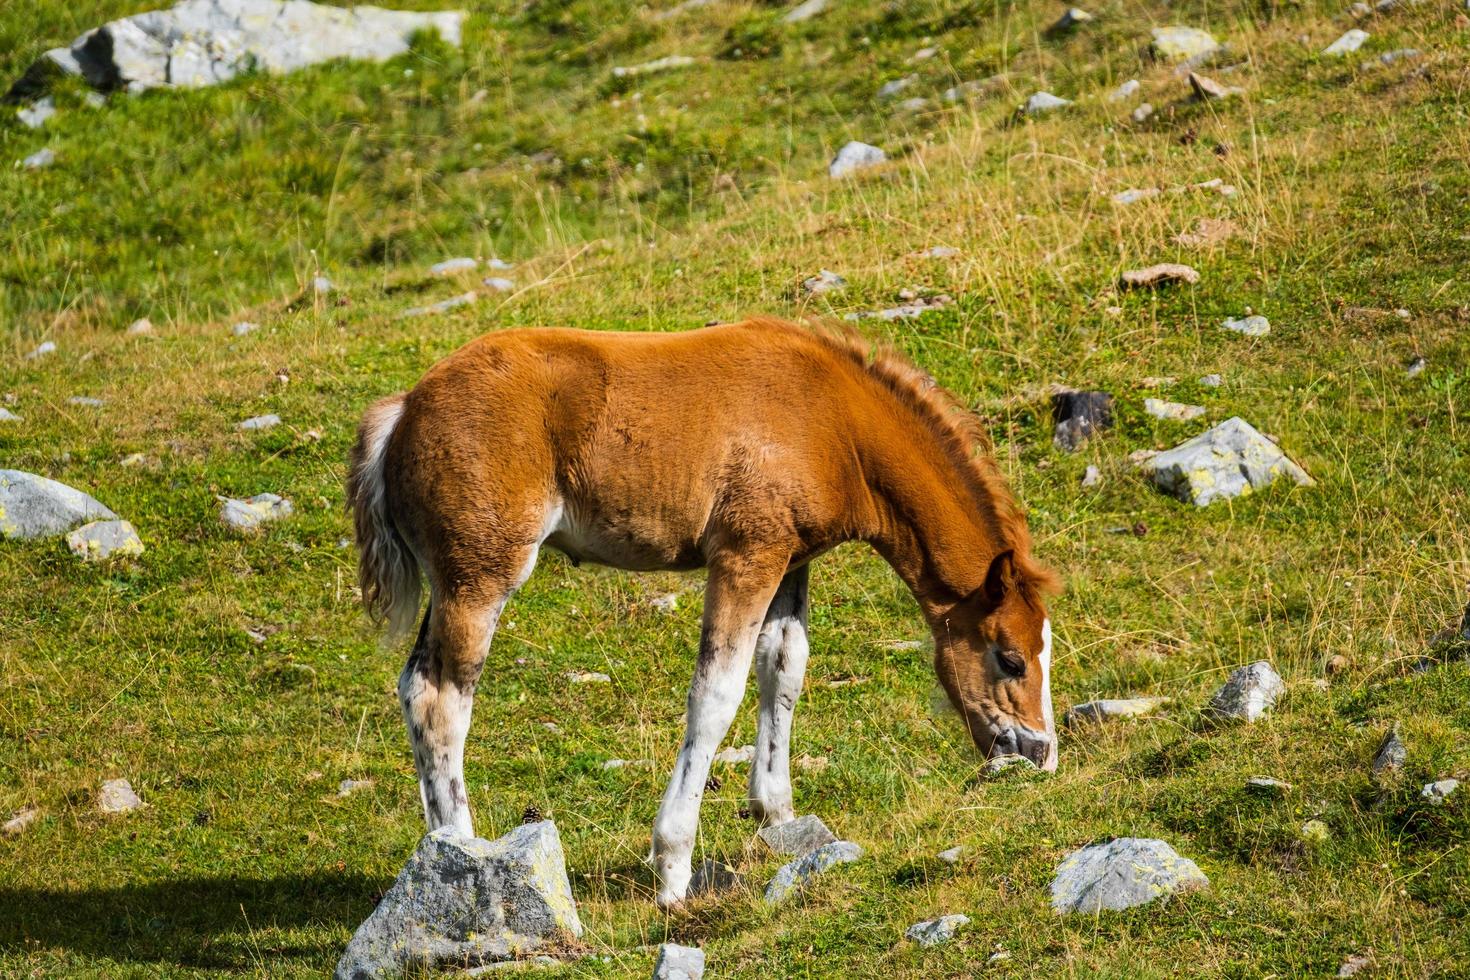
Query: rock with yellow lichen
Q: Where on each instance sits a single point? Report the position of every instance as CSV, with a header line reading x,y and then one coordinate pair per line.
x,y
1230,460
1122,873
464,902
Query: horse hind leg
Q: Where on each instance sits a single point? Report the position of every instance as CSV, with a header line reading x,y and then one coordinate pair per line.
x,y
780,657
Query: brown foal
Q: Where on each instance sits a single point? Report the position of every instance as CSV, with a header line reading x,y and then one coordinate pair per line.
x,y
748,449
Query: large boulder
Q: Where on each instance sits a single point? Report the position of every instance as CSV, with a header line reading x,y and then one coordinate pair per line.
x,y
32,506
464,902
203,42
1230,460
1122,873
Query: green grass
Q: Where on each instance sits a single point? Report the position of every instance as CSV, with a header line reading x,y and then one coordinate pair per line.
x,y
198,209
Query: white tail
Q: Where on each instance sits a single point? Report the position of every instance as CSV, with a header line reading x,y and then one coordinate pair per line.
x,y
387,571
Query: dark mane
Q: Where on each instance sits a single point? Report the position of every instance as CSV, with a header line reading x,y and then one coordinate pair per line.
x,y
957,429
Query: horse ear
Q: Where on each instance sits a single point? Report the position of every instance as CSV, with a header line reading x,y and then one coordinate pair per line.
x,y
1000,580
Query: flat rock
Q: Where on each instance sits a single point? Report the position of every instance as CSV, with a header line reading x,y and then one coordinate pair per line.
x,y
465,901
260,423
1248,693
451,267
672,62
101,540
1266,786
1172,411
1122,873
951,855
499,283
1183,44
20,820
805,11
198,43
934,932
1229,460
1439,791
1251,326
588,677
32,506
43,349
1391,753
677,962
825,281
251,512
1208,90
117,796
855,156
39,160
1160,275
1211,380
1079,415
736,755
715,878
894,88
909,310
443,306
85,401
797,837
1110,709
1347,44
791,877
1044,102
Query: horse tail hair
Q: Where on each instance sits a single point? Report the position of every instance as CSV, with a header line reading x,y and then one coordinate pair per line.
x,y
387,571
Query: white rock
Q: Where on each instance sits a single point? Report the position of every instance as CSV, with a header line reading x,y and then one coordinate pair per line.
x,y
1122,873
1439,791
934,932
499,265
923,54
42,350
35,115
260,423
1143,112
85,401
1125,91
1249,692
890,89
349,786
117,796
1183,43
244,327
250,513
1135,194
499,283
677,962
1092,477
951,856
1347,44
1044,102
805,11
6,415
825,281
1211,380
936,252
672,62
140,327
1108,709
1070,19
1251,326
736,756
42,158
1172,411
101,540
32,506
587,677
855,156
1229,460
321,285
454,266
666,603
20,820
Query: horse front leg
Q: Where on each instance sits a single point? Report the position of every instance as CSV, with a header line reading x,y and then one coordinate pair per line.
x,y
736,598
780,665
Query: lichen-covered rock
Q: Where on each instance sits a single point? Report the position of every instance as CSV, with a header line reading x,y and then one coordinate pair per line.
x,y
933,932
1229,460
797,837
32,506
1249,692
1183,44
855,156
249,514
204,42
1106,709
1122,873
464,901
101,540
117,796
793,876
677,962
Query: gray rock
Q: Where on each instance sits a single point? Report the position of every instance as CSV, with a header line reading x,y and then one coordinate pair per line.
x,y
1135,194
41,350
668,603
677,962
117,796
1211,380
1439,791
657,66
39,160
934,932
1125,91
204,42
1251,326
1226,461
450,267
1172,411
260,423
1183,44
499,265
32,506
1122,873
936,252
1109,709
499,283
1347,44
35,115
1248,693
797,837
1266,786
895,87
855,156
101,540
1044,102
952,855
911,310
244,327
825,281
1391,753
250,513
805,11
6,415
1092,477
791,877
588,677
443,306
464,901
736,755
1004,763
20,820
1143,112
1079,415
1399,54
1072,17
349,786
715,878
1358,962
85,401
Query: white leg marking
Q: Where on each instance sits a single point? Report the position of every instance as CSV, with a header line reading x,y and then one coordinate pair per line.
x,y
1051,727
781,656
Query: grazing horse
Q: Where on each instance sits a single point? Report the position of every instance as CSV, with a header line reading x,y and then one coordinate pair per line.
x,y
747,449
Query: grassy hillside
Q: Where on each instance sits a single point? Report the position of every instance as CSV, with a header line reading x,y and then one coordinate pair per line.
x,y
232,678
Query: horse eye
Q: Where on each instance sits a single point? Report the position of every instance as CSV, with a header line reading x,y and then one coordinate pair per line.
x,y
1011,662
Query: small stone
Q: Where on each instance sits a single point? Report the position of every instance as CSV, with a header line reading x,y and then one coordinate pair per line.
x,y
715,878
657,66
101,540
499,283
1183,44
1337,664
1122,873
1211,381
39,160
42,350
1251,326
1159,275
260,423
94,100
855,156
1109,709
811,763
1092,477
1071,18
450,267
736,756
1044,102
321,285
443,306
244,327
1125,91
1172,411
133,459
1134,195
85,401
1249,693
797,837
1209,90
825,281
951,856
793,876
1400,54
1207,232
975,89
1144,111
805,11
1079,415
499,265
1347,44
587,677
1355,964
251,512
349,786
1391,753
21,819
1416,366
1226,461
1266,786
1316,832
1439,791
140,327
1004,763
117,796
6,415
916,307
35,115
677,962
934,932
612,764
890,89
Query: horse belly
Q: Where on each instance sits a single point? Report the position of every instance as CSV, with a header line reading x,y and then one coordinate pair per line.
x,y
628,536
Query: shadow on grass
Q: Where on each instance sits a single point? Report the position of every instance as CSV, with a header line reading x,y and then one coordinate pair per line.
x,y
216,923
